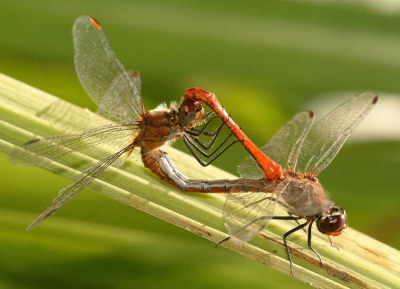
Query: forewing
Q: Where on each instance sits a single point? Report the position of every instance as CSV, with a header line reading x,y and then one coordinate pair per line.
x,y
247,213
283,147
135,76
328,135
102,75
44,150
81,181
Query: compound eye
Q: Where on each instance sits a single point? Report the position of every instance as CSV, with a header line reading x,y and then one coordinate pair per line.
x,y
332,224
187,112
188,106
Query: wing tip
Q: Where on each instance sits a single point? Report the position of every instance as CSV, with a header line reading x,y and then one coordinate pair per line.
x,y
43,216
95,23
369,95
31,226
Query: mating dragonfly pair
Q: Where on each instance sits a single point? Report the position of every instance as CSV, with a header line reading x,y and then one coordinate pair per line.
x,y
282,173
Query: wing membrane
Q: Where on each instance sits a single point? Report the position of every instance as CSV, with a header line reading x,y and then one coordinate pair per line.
x,y
283,147
247,213
102,75
328,135
81,181
44,150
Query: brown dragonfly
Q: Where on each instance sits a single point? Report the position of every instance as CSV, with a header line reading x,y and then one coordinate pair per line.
x,y
117,94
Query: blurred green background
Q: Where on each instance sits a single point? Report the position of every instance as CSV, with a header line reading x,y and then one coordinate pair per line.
x,y
264,59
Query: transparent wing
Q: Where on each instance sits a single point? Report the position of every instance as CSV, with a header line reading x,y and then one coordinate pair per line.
x,y
135,76
65,116
283,147
44,150
102,75
304,198
81,181
328,135
247,214
96,121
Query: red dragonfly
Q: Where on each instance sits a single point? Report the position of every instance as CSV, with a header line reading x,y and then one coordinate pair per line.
x,y
301,151
118,97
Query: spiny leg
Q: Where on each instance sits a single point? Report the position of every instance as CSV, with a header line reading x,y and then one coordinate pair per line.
x,y
207,147
286,245
330,241
213,138
309,242
190,140
197,132
208,114
298,223
223,241
189,144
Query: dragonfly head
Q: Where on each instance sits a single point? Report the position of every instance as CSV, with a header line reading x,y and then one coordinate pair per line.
x,y
190,113
332,222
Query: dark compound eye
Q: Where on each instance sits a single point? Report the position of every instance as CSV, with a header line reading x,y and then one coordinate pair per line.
x,y
332,224
188,106
187,112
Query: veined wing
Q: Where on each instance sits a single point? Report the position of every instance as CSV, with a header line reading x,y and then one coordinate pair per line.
x,y
101,121
283,147
328,135
81,181
135,76
247,213
102,75
44,150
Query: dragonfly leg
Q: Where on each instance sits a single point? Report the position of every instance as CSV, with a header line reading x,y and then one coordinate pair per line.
x,y
207,147
286,245
197,132
223,241
213,136
309,242
190,145
332,245
298,223
208,114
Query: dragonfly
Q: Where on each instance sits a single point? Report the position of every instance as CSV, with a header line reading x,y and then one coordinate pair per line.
x,y
117,93
283,173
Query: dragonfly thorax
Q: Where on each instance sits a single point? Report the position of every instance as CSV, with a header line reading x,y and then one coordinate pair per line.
x,y
304,196
297,175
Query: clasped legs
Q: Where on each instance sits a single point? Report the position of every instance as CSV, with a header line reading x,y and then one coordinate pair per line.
x,y
287,234
196,146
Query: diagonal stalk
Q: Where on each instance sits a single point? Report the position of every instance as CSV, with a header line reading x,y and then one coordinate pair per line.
x,y
26,112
